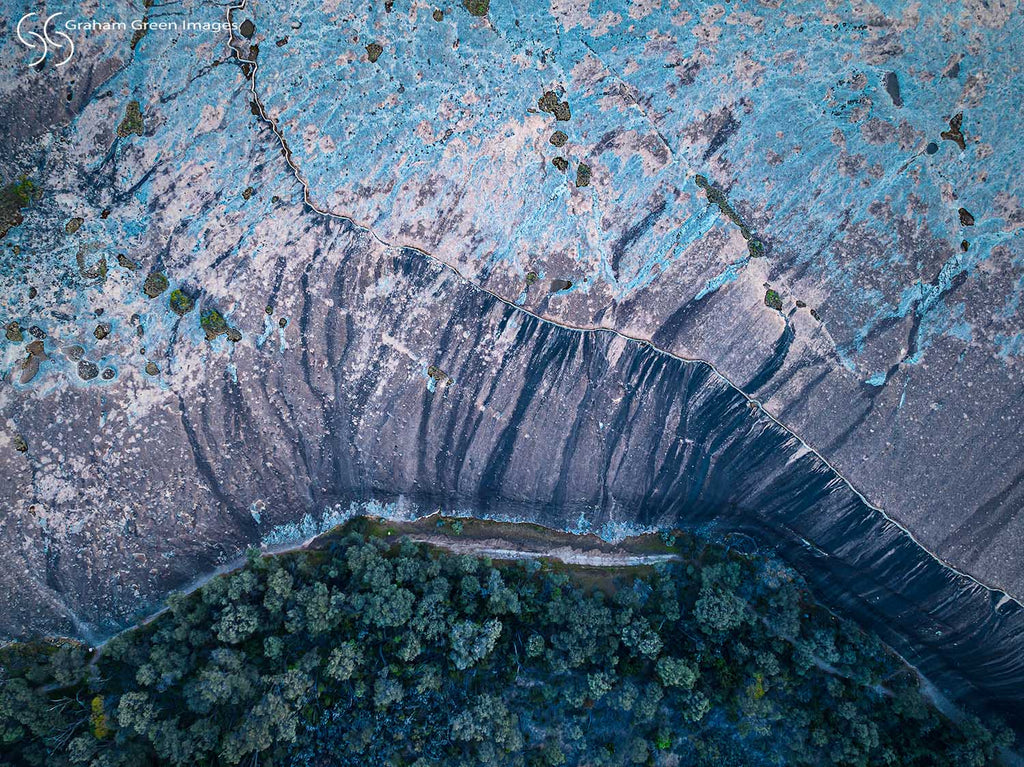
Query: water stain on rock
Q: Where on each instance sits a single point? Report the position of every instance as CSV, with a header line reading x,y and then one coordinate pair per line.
x,y
892,87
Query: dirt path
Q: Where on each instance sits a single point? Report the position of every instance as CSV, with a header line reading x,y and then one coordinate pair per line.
x,y
500,548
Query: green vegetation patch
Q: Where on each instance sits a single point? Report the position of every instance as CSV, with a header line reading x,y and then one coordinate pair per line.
x,y
13,198
773,300
371,649
213,323
132,122
155,284
181,303
477,7
583,174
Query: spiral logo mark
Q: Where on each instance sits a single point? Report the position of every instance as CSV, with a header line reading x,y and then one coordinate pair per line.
x,y
45,41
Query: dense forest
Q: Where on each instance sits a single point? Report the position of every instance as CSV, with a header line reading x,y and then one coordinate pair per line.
x,y
374,650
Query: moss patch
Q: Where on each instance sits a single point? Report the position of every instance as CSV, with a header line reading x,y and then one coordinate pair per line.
x,y
13,198
773,300
477,7
181,303
213,323
583,174
132,122
156,283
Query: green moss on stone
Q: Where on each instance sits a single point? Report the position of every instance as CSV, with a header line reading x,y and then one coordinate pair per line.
x,y
773,300
132,122
156,283
213,323
477,7
180,302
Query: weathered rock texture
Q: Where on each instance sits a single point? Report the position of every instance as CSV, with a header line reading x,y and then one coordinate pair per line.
x,y
326,365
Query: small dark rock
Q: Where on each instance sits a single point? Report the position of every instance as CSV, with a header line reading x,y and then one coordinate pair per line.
x,y
932,147
87,370
108,374
557,285
74,225
152,369
954,133
438,14
234,335
561,163
373,51
558,138
126,262
102,331
549,103
105,214
20,444
32,292
282,42
583,174
477,7
156,283
74,352
37,332
248,29
14,332
248,192
814,313
892,87
531,277
282,322
800,304
964,245
966,218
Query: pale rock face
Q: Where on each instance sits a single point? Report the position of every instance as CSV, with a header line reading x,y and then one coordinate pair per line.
x,y
467,326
